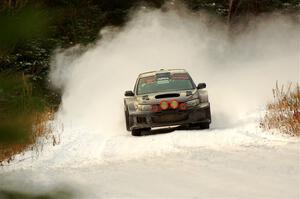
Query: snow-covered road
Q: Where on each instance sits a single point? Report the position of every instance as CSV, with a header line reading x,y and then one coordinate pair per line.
x,y
239,162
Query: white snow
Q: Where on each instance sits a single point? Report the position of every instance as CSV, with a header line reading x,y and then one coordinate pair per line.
x,y
239,162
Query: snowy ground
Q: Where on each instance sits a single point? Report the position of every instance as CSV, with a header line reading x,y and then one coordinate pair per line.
x,y
239,162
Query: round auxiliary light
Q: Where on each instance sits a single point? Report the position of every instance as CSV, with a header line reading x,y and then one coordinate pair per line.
x,y
164,105
174,104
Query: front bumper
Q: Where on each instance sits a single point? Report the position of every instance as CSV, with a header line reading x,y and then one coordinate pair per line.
x,y
197,114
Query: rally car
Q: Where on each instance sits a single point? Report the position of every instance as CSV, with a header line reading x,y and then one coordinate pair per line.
x,y
166,98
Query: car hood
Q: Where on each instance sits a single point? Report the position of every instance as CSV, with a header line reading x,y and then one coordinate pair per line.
x,y
155,98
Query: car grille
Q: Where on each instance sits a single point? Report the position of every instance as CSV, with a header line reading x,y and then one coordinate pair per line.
x,y
141,120
175,117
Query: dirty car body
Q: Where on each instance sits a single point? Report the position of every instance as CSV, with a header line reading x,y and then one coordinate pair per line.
x,y
166,98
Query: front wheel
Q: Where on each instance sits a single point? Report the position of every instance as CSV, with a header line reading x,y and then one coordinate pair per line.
x,y
128,120
139,132
199,126
136,132
204,125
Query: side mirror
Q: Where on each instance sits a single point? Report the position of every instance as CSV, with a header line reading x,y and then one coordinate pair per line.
x,y
129,93
201,86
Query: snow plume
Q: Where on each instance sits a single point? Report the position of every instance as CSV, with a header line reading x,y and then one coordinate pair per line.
x,y
240,70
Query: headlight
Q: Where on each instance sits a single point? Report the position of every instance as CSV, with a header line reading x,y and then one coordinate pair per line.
x,y
203,96
144,107
193,102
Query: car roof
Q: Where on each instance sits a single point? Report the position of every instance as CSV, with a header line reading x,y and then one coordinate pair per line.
x,y
151,73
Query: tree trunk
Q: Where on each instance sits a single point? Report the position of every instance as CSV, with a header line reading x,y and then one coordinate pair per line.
x,y
233,7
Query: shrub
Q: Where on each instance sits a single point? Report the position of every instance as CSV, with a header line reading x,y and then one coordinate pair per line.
x,y
24,117
284,112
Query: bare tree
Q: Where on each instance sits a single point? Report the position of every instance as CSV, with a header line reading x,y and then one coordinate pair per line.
x,y
233,7
13,4
245,8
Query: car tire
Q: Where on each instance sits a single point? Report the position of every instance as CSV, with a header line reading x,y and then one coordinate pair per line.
x,y
136,132
139,132
128,121
204,125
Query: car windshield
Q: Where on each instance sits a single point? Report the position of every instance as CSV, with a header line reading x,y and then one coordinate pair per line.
x,y
163,82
